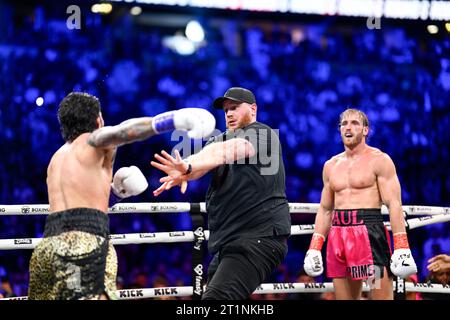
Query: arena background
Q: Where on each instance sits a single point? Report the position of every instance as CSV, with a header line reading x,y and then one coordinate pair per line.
x,y
303,68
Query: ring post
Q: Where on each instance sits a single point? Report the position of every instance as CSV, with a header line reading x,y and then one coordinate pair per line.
x,y
400,289
197,250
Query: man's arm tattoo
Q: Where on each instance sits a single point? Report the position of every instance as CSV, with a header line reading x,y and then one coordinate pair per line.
x,y
127,132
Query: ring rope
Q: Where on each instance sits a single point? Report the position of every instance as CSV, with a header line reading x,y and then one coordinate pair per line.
x,y
265,288
188,236
436,215
179,207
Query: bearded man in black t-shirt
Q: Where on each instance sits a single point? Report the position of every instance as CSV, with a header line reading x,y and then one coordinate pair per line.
x,y
248,213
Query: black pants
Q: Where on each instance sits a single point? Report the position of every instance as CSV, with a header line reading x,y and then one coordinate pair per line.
x,y
242,265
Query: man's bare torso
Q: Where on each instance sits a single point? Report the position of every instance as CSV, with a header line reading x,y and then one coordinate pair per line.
x,y
79,176
354,180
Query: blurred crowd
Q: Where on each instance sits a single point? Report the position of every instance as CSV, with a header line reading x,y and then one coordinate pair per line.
x,y
303,76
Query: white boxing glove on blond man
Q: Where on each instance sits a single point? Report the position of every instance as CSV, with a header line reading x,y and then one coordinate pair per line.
x,y
402,261
313,263
127,182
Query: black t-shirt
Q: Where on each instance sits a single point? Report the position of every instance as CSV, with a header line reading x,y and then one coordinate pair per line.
x,y
248,197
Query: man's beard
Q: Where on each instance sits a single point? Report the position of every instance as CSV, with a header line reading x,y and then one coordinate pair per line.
x,y
356,140
243,122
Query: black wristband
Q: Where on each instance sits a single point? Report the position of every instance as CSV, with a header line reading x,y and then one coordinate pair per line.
x,y
189,170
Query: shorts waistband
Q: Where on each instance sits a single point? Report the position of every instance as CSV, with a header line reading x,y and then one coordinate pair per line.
x,y
355,217
88,220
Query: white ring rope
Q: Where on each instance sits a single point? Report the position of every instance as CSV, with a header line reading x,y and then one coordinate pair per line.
x,y
265,288
436,215
410,223
178,207
116,239
188,236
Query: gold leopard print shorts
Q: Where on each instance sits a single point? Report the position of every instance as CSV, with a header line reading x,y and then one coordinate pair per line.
x,y
75,259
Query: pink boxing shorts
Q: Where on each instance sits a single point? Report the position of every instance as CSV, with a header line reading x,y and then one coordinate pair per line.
x,y
358,245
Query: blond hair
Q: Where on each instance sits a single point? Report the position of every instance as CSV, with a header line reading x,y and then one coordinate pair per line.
x,y
361,114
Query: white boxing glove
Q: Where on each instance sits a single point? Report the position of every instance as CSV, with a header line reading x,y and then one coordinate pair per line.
x,y
313,263
402,263
199,123
128,181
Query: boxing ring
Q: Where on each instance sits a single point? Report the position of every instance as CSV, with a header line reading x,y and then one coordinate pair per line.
x,y
428,215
